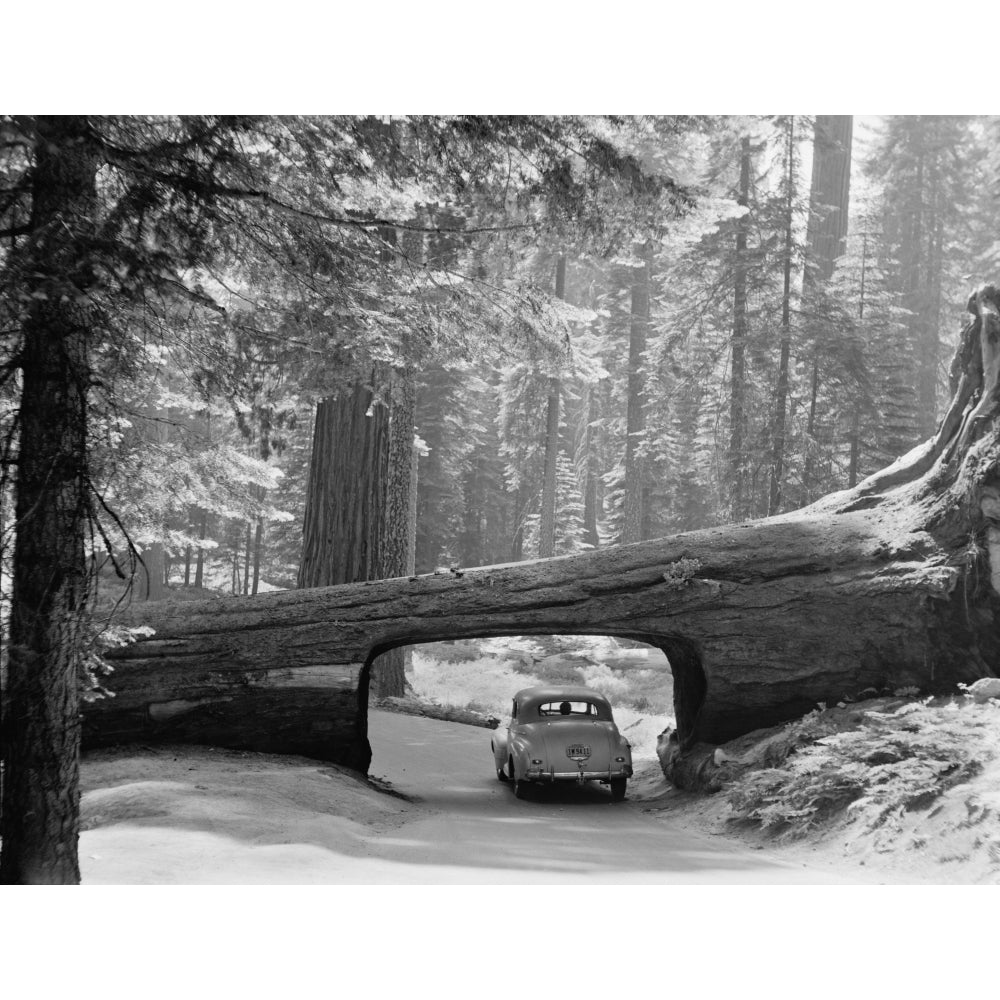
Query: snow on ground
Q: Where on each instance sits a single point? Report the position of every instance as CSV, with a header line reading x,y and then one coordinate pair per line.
x,y
205,815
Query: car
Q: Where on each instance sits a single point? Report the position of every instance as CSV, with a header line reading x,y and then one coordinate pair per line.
x,y
561,734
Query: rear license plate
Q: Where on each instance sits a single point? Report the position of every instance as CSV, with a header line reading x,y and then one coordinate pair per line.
x,y
577,752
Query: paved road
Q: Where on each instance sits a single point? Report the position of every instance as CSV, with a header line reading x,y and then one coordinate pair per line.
x,y
478,832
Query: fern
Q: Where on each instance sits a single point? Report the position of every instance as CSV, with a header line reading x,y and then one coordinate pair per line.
x,y
891,763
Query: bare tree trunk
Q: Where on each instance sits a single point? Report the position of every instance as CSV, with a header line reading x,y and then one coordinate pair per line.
x,y
547,518
3,601
199,570
547,523
855,436
411,511
258,537
829,194
40,739
781,391
411,536
264,450
923,335
829,205
517,539
246,560
389,670
591,472
357,507
635,423
152,558
738,458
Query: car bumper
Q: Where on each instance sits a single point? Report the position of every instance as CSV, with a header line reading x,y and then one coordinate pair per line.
x,y
538,774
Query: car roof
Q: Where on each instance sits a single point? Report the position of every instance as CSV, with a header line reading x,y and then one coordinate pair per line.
x,y
544,693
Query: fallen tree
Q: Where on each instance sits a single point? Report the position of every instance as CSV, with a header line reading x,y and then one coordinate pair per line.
x,y
892,584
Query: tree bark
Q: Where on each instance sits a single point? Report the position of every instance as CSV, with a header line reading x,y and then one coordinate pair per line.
x,y
41,728
357,507
152,572
389,670
342,520
829,194
411,510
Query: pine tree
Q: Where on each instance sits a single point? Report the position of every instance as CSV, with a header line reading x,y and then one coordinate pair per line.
x,y
924,166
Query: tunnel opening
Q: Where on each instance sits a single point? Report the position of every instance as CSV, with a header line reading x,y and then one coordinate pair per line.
x,y
653,682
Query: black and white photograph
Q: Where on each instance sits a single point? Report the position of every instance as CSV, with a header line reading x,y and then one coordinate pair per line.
x,y
409,501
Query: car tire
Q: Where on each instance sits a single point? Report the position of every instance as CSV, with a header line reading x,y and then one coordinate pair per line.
x,y
618,789
520,785
501,774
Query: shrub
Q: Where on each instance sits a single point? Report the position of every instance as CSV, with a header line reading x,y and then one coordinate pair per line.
x,y
892,762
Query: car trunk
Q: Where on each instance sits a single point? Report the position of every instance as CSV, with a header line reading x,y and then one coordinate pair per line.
x,y
572,744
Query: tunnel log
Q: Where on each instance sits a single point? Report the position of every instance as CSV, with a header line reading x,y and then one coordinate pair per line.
x,y
893,584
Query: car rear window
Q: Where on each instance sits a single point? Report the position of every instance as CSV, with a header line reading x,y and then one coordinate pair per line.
x,y
567,708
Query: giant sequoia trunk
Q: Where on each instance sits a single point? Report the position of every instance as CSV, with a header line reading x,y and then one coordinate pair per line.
x,y
41,723
357,506
341,534
394,535
895,583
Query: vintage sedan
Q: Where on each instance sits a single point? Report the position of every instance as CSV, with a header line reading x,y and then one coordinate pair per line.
x,y
562,734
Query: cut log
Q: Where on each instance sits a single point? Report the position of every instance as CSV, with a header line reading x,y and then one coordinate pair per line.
x,y
890,585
